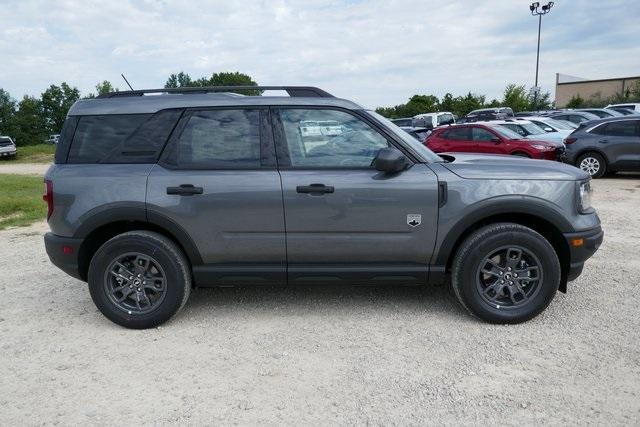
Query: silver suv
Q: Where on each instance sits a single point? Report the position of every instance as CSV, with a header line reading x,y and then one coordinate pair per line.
x,y
7,147
151,196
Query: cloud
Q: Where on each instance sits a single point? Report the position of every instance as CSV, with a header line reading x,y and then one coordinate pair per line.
x,y
374,52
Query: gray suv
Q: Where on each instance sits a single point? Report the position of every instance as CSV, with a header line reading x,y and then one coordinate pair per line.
x,y
607,145
151,196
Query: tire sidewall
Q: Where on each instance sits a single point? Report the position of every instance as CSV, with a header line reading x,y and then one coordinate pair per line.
x,y
468,275
175,281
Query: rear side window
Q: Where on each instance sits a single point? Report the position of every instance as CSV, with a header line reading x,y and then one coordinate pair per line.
x,y
621,128
218,139
97,136
457,134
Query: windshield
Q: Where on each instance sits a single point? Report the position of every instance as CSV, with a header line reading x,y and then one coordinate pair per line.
x,y
406,138
532,129
557,124
506,132
403,122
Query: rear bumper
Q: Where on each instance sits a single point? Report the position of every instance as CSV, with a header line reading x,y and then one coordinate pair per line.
x,y
591,240
63,253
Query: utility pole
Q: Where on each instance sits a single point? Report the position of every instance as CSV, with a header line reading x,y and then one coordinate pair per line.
x,y
535,11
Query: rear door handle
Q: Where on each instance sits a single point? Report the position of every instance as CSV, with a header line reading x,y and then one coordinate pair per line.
x,y
315,189
184,190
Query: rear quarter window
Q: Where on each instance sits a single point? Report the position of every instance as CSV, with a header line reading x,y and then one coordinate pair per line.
x,y
121,138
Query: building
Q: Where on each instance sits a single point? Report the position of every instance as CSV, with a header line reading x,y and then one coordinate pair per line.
x,y
569,86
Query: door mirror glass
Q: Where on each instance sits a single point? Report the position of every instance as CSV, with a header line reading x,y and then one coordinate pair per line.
x,y
390,160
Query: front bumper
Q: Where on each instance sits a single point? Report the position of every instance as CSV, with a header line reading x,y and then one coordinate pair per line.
x,y
8,153
63,253
582,245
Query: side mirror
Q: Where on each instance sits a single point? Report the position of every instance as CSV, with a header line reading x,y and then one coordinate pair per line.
x,y
548,129
390,160
496,140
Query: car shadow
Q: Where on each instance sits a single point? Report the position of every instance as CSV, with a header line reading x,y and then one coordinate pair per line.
x,y
326,299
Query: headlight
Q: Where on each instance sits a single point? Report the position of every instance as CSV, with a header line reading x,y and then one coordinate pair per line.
x,y
584,197
541,147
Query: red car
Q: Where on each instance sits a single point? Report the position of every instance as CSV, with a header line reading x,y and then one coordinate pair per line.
x,y
488,138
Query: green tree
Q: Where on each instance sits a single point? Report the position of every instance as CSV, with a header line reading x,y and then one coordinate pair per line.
x,y
576,101
7,111
28,122
235,78
515,96
105,87
56,101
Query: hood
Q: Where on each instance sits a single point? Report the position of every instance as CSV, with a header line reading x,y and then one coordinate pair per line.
x,y
555,138
490,166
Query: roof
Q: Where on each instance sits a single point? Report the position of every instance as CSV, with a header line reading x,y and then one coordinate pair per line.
x,y
140,102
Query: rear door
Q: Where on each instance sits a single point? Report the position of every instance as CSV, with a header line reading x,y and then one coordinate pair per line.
x,y
456,139
346,222
217,183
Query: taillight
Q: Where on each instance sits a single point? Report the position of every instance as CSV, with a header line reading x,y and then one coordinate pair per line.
x,y
48,196
570,140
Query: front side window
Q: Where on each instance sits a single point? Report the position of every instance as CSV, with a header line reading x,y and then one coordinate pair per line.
x,y
329,138
219,139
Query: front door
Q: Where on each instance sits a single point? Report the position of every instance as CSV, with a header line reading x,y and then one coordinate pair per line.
x,y
345,221
217,183
620,140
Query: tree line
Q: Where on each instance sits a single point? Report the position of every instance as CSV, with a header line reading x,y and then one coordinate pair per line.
x,y
30,120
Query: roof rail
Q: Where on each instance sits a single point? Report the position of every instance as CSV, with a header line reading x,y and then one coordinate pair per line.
x,y
293,91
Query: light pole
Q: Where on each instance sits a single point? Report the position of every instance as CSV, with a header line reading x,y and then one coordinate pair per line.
x,y
546,8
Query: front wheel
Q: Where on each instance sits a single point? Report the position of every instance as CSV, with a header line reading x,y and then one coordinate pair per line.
x,y
505,273
139,279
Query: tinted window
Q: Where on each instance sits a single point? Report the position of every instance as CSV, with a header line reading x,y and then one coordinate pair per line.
x,y
342,140
97,136
459,134
515,128
218,139
480,134
145,144
621,128
403,122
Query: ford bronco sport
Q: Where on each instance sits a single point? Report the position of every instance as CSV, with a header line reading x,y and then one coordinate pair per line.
x,y
155,192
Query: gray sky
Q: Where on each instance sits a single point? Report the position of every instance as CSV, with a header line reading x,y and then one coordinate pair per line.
x,y
373,52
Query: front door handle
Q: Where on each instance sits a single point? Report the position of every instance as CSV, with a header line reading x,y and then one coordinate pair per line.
x,y
315,189
184,190
603,141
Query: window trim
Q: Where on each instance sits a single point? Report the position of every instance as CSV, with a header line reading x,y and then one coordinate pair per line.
x,y
267,147
282,146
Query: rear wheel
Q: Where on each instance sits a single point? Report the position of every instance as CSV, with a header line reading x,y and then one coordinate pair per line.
x,y
593,164
139,279
505,273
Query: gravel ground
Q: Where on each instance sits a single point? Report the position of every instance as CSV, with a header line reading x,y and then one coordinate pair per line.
x,y
24,168
326,355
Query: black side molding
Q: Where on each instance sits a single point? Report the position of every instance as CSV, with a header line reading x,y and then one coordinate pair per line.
x,y
442,193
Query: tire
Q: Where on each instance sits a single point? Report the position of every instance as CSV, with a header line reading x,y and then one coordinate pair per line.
x,y
521,154
164,282
593,164
469,284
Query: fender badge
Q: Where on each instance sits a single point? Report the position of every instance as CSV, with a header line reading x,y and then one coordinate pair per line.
x,y
414,220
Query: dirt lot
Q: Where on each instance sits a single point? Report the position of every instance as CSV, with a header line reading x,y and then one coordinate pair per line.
x,y
326,355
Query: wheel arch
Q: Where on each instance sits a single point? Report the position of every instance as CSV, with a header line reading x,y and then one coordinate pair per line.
x,y
592,150
109,223
545,221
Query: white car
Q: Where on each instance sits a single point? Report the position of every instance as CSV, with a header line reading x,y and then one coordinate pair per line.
x,y
548,124
531,131
433,120
7,147
633,106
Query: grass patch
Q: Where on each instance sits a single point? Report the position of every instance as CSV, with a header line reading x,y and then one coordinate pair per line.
x,y
21,200
41,153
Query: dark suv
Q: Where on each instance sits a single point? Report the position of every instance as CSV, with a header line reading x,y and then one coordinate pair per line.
x,y
606,145
150,196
